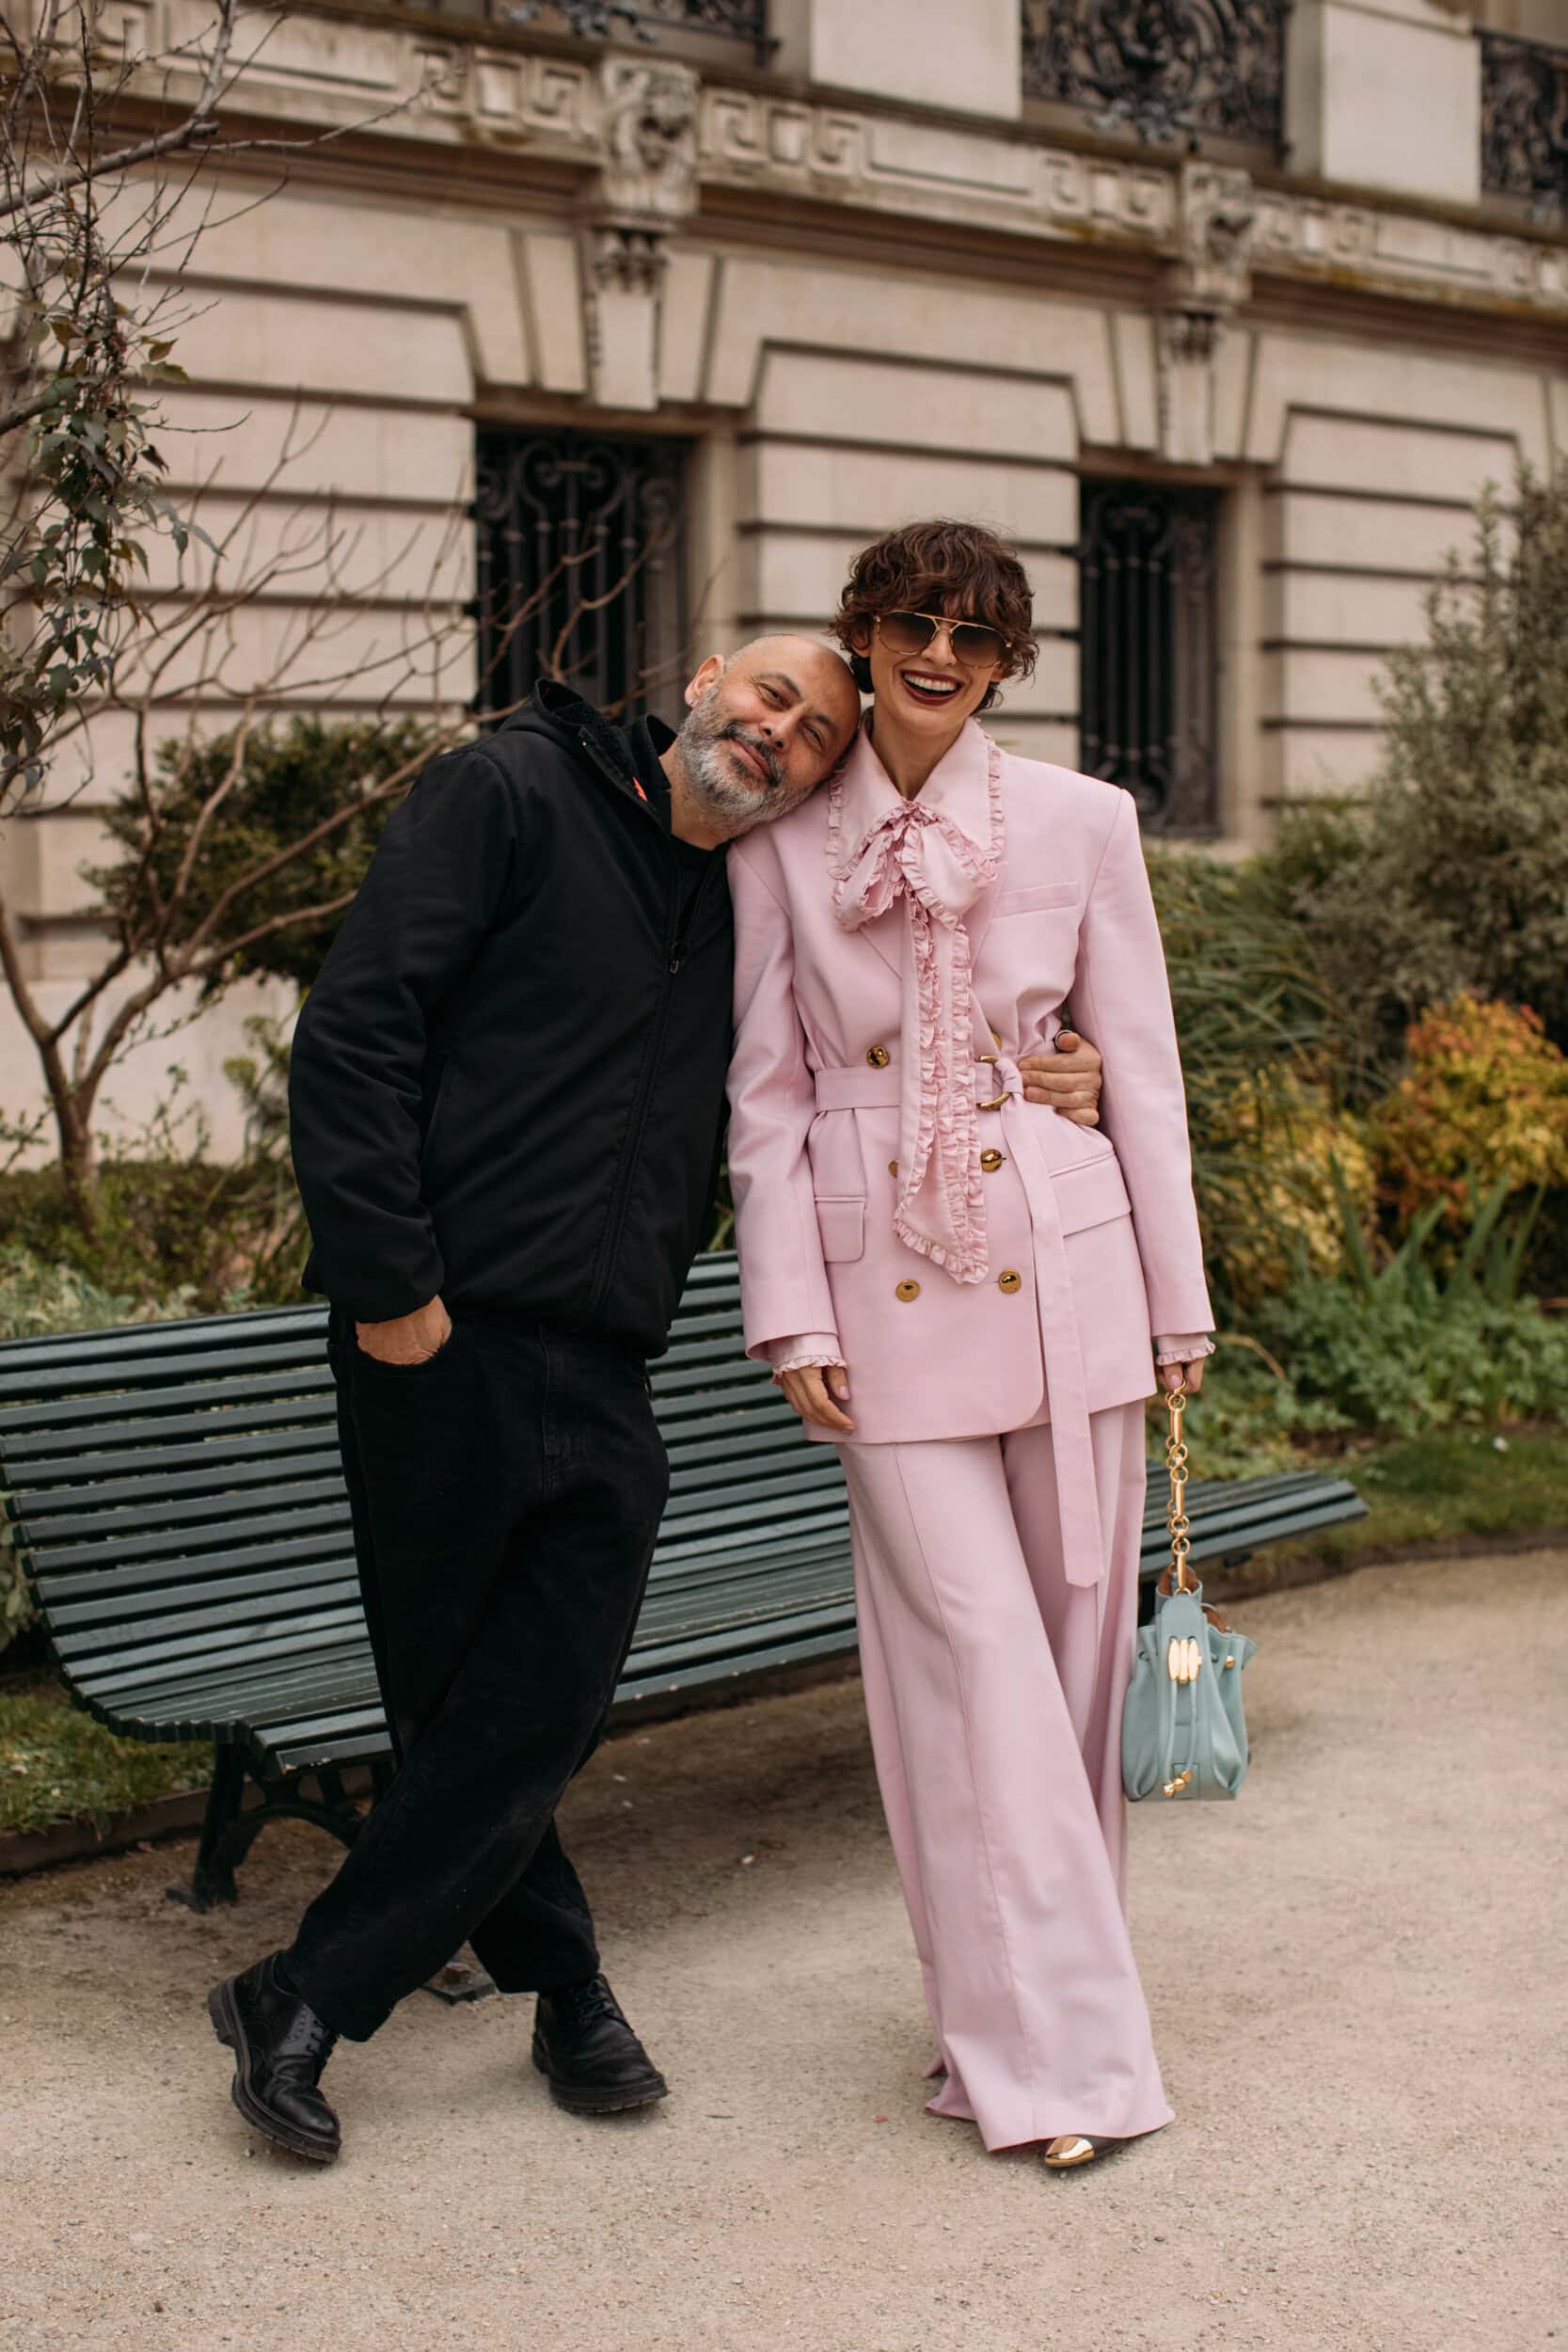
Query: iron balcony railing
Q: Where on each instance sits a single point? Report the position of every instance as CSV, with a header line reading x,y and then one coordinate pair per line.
x,y
1163,69
1524,122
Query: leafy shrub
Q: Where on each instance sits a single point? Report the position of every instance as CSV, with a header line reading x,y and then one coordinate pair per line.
x,y
1316,1156
170,1229
1258,1031
1411,1359
1485,1102
38,1296
1416,1344
1546,1266
1455,877
291,778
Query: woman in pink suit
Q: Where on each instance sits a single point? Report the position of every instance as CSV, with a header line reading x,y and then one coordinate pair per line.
x,y
969,1295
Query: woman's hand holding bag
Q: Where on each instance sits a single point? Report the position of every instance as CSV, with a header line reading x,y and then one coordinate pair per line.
x,y
1183,1733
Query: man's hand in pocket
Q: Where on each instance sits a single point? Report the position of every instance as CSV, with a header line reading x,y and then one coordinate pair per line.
x,y
407,1338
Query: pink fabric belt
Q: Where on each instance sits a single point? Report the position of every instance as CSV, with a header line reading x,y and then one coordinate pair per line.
x,y
861,1089
1066,1389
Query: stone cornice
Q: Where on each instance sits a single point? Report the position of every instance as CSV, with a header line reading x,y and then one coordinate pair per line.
x,y
437,87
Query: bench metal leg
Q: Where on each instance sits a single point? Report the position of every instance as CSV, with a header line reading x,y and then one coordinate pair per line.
x,y
213,1879
230,1827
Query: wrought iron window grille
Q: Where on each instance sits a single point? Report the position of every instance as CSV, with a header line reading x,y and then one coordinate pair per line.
x,y
581,570
1524,122
1163,69
612,20
1147,648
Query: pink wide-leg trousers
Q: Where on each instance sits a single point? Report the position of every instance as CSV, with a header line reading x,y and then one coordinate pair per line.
x,y
994,1690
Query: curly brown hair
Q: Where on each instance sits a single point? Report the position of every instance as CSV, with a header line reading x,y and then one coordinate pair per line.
x,y
939,566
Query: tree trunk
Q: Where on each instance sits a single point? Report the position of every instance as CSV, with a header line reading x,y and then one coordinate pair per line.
x,y
78,1161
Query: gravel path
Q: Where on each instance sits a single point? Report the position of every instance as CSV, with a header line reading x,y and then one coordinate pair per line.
x,y
1356,1977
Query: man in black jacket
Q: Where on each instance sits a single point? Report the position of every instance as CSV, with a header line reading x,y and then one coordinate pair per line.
x,y
507,1097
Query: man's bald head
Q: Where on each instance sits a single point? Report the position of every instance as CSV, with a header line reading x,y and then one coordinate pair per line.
x,y
807,659
764,726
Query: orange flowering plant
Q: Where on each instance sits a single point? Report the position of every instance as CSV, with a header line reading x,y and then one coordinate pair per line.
x,y
1485,1101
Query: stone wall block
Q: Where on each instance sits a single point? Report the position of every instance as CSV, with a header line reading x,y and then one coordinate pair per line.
x,y
1385,94
928,52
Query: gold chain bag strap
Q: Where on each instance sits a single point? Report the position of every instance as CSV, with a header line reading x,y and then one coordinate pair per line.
x,y
1183,1733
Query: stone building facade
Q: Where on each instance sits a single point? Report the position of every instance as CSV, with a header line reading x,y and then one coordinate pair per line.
x,y
1228,340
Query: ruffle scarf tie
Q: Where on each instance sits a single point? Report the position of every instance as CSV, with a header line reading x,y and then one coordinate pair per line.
x,y
918,854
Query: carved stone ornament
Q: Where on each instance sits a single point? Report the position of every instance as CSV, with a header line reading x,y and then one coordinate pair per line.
x,y
649,174
1189,336
1216,221
629,261
647,186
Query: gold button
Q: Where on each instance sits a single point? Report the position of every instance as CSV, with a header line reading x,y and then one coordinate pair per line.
x,y
878,1057
997,1039
909,1290
892,1167
1009,1282
991,1161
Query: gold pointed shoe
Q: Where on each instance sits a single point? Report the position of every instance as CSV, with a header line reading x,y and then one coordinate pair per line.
x,y
1072,2148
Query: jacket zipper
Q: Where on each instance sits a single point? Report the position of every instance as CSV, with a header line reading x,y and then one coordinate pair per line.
x,y
679,941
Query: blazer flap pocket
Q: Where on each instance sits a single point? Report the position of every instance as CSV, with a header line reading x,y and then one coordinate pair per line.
x,y
1034,901
842,1226
1091,1194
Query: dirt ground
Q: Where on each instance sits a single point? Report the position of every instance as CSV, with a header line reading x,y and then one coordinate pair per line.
x,y
1356,1976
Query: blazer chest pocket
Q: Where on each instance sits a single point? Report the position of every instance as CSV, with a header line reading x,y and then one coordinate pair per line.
x,y
1036,900
1091,1194
841,1224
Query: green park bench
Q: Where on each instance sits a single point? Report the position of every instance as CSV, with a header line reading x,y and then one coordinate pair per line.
x,y
176,1497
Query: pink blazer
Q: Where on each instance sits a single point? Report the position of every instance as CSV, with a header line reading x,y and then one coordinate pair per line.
x,y
1092,1232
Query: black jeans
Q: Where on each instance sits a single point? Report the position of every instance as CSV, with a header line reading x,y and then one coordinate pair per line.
x,y
505,1497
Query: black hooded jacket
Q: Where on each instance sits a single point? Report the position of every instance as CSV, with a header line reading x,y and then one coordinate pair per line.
x,y
507,1084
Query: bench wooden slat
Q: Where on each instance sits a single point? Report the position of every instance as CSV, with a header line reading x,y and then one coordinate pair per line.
x,y
153,1410
69,1430
52,1360
834,1637
357,1747
146,1377
278,1691
121,1676
48,1461
201,1538
146,1617
46,1517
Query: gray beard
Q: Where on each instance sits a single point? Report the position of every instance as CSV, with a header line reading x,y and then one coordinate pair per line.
x,y
706,766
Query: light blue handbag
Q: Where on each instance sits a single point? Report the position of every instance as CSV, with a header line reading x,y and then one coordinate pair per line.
x,y
1183,1733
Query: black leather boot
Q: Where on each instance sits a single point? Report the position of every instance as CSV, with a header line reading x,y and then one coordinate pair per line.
x,y
280,2046
588,2054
